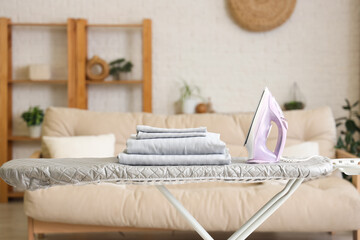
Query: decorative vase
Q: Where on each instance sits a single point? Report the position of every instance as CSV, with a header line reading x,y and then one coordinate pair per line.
x,y
116,76
35,131
189,105
125,76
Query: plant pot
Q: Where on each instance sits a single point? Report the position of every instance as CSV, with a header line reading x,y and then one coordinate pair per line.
x,y
294,105
189,105
116,76
125,76
35,131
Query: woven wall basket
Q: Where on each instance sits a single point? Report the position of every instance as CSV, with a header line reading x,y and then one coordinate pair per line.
x,y
261,15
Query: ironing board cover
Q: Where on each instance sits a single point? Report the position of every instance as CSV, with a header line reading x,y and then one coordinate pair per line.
x,y
32,174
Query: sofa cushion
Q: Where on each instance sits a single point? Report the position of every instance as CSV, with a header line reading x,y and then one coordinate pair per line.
x,y
304,125
328,204
80,146
302,150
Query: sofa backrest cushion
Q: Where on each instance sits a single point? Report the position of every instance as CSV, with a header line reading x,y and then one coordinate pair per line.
x,y
304,125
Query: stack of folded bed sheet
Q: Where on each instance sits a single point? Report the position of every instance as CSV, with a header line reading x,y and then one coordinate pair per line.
x,y
169,146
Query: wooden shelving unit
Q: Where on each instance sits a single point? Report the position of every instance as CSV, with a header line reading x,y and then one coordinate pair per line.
x,y
39,24
82,27
113,82
6,85
76,81
116,25
38,81
23,139
13,194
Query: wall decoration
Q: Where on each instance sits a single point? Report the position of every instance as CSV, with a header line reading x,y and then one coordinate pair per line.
x,y
120,69
97,69
261,15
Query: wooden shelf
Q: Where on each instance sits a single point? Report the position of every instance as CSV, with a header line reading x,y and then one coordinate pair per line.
x,y
76,81
23,138
16,194
39,24
38,81
125,82
116,25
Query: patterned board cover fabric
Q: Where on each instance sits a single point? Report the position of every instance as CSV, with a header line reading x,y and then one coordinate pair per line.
x,y
32,174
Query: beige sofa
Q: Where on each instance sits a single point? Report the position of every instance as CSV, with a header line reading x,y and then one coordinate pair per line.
x,y
323,205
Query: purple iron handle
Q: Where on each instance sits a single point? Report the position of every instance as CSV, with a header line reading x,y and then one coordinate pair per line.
x,y
267,111
282,126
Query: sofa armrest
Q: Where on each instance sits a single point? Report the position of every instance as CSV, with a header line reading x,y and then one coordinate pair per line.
x,y
36,154
343,154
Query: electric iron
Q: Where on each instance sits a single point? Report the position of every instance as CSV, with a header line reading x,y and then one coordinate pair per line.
x,y
267,111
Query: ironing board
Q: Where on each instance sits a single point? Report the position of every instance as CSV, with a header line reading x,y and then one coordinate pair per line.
x,y
32,174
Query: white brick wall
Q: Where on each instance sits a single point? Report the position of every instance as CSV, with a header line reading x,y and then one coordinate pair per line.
x,y
198,41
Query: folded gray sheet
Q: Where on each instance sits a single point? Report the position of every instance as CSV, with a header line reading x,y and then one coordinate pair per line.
x,y
149,129
153,146
211,144
148,132
145,135
174,160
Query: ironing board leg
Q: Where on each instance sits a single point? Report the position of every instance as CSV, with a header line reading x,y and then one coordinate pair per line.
x,y
267,210
195,224
253,223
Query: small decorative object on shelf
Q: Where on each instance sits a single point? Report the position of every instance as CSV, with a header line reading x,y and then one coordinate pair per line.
x,y
297,99
97,69
205,107
120,69
39,72
210,108
201,108
189,98
34,118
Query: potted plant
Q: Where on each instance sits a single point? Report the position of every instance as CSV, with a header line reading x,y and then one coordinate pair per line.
x,y
34,118
349,136
293,105
120,69
189,97
296,103
347,140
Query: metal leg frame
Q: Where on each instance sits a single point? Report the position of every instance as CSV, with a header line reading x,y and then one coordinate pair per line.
x,y
254,222
267,210
195,224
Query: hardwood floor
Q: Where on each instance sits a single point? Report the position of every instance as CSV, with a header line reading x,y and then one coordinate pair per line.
x,y
13,226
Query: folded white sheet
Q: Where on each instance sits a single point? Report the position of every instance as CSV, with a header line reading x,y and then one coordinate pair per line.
x,y
159,160
149,129
145,135
148,132
211,144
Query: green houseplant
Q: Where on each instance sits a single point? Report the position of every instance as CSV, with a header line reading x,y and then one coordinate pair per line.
x,y
120,69
33,118
349,137
189,97
296,102
293,105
